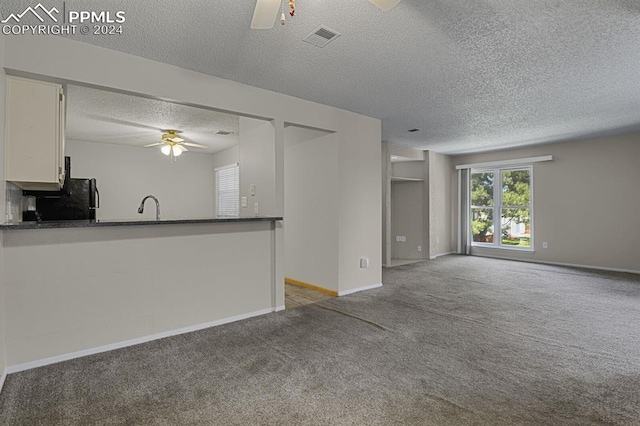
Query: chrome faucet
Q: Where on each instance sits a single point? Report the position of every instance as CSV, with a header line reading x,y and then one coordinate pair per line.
x,y
141,208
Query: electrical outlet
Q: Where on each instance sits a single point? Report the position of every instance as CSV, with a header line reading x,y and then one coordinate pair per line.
x,y
256,208
401,238
545,245
252,190
364,263
419,248
245,202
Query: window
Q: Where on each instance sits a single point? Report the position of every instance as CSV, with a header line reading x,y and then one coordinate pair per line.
x,y
228,191
502,218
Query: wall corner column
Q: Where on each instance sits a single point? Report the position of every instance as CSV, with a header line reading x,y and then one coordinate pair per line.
x,y
386,205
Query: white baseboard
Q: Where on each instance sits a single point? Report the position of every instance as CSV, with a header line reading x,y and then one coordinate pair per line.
x,y
441,254
132,342
571,265
356,290
3,378
280,308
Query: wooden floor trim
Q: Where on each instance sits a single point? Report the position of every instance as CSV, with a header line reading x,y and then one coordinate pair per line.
x,y
311,286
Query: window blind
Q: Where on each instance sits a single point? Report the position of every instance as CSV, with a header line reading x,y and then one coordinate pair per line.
x,y
228,191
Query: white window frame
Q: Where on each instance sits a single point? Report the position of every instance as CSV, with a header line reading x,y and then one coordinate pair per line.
x,y
497,207
218,192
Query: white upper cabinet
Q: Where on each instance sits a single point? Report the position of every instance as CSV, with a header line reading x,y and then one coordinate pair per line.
x,y
34,143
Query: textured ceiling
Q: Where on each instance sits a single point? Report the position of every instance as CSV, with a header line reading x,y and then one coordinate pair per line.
x,y
108,117
472,75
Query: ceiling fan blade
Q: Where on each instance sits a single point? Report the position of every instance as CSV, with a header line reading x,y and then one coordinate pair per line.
x,y
154,144
265,14
385,5
195,145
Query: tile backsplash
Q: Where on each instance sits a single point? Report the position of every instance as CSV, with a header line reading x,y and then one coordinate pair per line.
x,y
14,204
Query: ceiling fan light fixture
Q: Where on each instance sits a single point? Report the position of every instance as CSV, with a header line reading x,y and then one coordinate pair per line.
x,y
177,150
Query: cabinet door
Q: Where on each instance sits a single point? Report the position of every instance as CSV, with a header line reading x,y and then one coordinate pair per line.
x,y
33,134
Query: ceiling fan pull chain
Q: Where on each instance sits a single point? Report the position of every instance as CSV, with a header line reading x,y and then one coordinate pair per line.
x,y
292,11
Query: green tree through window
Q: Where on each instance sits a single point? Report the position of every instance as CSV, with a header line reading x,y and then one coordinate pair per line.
x,y
516,200
482,202
508,210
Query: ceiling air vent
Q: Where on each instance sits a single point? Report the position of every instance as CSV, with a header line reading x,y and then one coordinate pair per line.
x,y
413,130
321,36
223,132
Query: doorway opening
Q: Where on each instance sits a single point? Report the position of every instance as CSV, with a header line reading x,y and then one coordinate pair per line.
x,y
311,215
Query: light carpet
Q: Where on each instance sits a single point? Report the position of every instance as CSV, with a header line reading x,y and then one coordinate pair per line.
x,y
455,341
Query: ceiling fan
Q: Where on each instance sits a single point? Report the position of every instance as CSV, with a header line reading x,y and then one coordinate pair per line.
x,y
173,145
266,11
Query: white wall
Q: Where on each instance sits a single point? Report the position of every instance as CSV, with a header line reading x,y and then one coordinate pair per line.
x,y
408,169
311,207
257,166
2,206
126,174
360,197
586,202
220,159
406,152
73,290
226,157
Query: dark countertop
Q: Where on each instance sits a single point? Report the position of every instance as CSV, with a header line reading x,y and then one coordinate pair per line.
x,y
106,223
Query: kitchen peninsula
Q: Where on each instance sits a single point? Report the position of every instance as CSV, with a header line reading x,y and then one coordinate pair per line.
x,y
84,276
74,291
91,286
